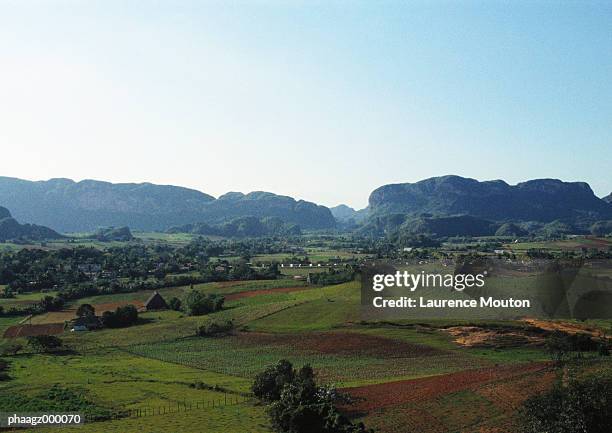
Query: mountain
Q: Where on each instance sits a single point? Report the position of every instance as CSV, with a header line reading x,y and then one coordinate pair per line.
x,y
262,204
108,234
608,198
242,227
72,206
344,213
10,229
542,200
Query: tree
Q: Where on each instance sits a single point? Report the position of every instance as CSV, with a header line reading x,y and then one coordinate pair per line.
x,y
198,303
558,347
121,317
215,328
175,304
85,310
269,384
579,407
298,404
44,343
51,303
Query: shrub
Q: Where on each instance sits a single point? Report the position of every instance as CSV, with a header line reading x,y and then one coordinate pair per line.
x,y
175,304
12,349
121,317
298,405
85,310
579,407
198,303
558,346
269,384
44,343
215,328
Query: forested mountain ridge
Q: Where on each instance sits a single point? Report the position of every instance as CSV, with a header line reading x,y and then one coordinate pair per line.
x,y
10,229
70,206
542,200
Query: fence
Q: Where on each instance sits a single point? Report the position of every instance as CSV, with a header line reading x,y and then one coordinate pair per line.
x,y
184,406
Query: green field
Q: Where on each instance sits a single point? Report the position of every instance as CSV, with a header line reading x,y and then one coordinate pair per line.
x,y
160,365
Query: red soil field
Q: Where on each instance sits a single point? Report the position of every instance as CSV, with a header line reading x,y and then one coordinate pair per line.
x,y
342,343
251,293
32,330
510,394
372,397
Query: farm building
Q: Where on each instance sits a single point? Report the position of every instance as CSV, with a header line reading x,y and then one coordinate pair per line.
x,y
156,302
85,323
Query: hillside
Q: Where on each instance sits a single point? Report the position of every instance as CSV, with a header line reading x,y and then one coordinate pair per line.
x,y
108,234
541,200
344,213
241,227
10,229
608,198
71,206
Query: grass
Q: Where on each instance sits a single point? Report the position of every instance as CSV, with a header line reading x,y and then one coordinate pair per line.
x,y
120,380
319,309
224,419
115,378
155,362
230,356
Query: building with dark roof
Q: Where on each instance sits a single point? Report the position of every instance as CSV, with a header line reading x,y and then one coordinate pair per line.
x,y
156,302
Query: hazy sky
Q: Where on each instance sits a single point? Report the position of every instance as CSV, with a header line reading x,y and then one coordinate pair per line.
x,y
323,101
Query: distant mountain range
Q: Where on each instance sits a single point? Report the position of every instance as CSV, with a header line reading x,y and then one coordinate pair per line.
x,y
344,213
10,229
70,206
445,206
242,227
453,205
541,200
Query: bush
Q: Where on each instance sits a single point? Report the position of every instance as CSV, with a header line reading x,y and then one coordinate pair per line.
x,y
580,407
121,317
12,349
59,399
331,277
214,328
44,343
298,405
269,384
175,304
198,303
85,310
558,347
51,303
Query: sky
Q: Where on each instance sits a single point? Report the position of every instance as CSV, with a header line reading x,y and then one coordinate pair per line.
x,y
320,100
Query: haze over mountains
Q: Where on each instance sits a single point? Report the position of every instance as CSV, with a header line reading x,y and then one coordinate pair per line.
x,y
11,229
447,206
70,206
541,200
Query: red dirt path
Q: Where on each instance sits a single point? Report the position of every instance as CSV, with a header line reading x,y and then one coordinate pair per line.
x,y
372,397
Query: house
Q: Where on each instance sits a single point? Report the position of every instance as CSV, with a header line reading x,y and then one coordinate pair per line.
x,y
156,302
85,323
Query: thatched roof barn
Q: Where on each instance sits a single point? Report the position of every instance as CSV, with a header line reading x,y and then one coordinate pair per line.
x,y
156,302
